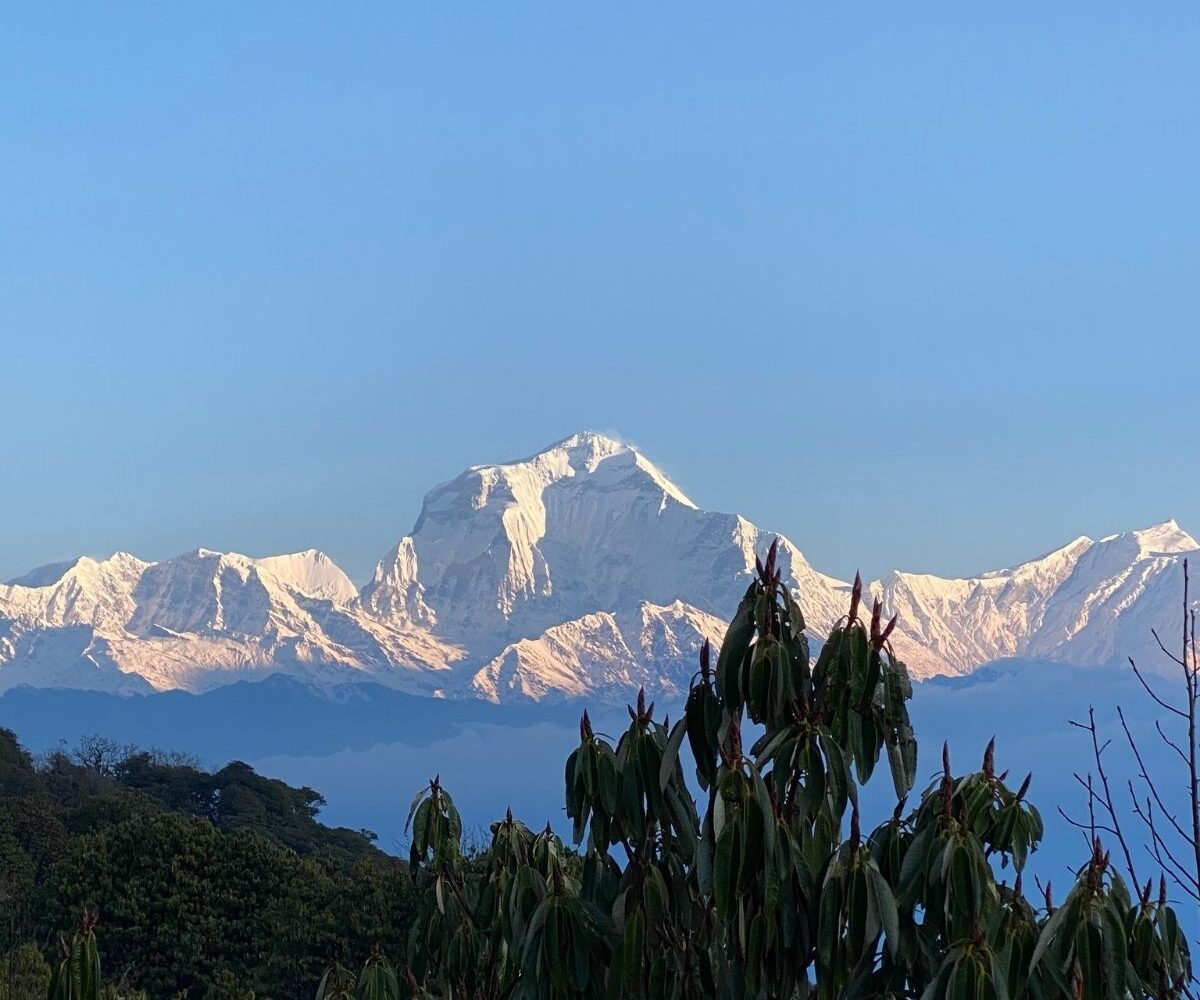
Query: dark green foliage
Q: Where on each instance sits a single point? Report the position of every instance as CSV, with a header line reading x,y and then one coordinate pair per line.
x,y
236,797
337,983
219,885
772,889
24,974
186,907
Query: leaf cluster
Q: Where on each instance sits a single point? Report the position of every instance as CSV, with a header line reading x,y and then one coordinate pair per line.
x,y
769,887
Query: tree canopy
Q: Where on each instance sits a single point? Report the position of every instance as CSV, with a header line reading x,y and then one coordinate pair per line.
x,y
771,887
205,884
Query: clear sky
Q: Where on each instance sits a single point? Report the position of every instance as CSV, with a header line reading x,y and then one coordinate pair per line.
x,y
919,287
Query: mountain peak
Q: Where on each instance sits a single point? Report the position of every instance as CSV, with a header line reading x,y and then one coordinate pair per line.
x,y
311,573
505,551
54,573
583,453
1162,539
43,576
83,591
594,443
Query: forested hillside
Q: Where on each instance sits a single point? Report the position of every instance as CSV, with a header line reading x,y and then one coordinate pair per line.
x,y
217,884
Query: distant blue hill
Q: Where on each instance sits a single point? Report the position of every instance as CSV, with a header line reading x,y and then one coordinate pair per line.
x,y
248,720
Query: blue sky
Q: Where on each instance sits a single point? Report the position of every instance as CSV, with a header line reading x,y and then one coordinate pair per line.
x,y
916,287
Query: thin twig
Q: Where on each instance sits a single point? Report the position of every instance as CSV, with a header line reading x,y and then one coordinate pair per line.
x,y
1169,742
1145,776
1160,850
1150,691
1106,800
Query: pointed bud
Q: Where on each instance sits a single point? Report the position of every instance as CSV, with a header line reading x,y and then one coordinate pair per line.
x,y
1024,786
946,759
855,597
735,741
888,629
876,614
508,816
989,758
705,660
641,702
585,726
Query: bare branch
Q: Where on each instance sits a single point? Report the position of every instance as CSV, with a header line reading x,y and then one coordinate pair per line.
x,y
1169,742
1167,652
1105,799
1160,850
1088,829
1193,687
1150,691
1150,785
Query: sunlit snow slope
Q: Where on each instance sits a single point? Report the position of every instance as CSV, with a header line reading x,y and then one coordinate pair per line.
x,y
582,571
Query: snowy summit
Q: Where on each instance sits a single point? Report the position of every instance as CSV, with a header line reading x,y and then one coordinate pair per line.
x,y
581,571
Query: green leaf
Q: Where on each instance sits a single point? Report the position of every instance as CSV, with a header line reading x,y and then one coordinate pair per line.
x,y
413,808
1118,972
885,902
754,952
725,871
762,800
1048,933
670,758
633,948
704,863
733,649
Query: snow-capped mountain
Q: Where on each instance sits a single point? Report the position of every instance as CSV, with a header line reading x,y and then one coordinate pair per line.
x,y
603,655
1090,603
506,552
200,620
83,592
582,571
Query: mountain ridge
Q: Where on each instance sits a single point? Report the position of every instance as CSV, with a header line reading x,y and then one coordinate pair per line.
x,y
579,571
